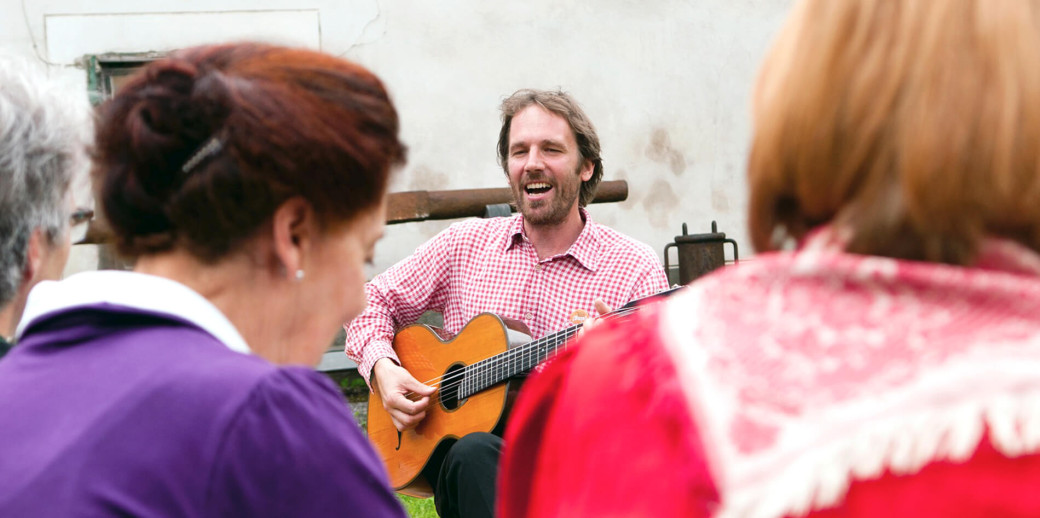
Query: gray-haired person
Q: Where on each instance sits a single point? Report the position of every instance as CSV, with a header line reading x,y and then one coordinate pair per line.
x,y
44,130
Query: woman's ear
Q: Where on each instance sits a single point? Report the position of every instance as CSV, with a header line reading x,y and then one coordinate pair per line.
x,y
34,256
294,226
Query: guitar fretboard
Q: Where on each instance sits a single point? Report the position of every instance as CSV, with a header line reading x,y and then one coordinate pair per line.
x,y
513,362
523,358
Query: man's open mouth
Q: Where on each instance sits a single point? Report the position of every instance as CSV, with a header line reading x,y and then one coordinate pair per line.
x,y
537,188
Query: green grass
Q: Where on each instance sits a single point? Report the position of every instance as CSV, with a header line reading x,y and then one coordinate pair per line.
x,y
418,507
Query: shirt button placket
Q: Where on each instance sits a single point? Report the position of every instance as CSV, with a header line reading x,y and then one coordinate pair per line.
x,y
538,268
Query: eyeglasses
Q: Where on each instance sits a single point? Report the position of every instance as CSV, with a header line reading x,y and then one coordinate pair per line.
x,y
77,229
80,215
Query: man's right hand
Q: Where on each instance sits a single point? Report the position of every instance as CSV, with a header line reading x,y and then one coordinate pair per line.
x,y
404,398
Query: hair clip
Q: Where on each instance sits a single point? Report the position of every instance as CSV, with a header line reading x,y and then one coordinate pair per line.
x,y
211,147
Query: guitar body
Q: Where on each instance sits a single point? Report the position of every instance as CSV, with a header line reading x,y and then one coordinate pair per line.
x,y
427,357
476,378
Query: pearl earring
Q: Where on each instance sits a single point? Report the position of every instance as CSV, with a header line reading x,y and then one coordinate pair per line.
x,y
299,275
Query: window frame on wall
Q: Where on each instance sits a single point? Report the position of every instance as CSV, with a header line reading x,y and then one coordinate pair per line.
x,y
106,72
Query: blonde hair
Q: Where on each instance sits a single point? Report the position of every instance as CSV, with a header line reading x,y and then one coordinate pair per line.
x,y
912,125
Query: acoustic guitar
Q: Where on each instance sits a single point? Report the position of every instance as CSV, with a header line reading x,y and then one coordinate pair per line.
x,y
472,373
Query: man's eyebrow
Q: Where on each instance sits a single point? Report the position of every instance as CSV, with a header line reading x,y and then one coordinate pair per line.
x,y
544,143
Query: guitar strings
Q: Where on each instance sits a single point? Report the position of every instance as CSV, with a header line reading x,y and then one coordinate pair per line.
x,y
456,378
620,312
511,354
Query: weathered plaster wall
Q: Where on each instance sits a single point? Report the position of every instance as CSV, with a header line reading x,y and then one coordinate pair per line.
x,y
667,83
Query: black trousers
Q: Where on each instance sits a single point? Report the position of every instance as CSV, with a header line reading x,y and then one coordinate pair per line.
x,y
464,487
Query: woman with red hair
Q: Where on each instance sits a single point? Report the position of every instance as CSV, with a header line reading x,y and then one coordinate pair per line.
x,y
247,183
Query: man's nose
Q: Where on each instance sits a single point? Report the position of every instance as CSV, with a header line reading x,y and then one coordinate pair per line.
x,y
534,161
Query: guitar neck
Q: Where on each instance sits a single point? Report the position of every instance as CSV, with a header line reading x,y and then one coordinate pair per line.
x,y
516,361
523,358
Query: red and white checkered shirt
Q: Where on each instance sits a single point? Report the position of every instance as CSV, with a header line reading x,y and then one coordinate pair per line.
x,y
489,265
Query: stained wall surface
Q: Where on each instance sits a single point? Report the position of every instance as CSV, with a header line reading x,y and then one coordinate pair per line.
x,y
666,83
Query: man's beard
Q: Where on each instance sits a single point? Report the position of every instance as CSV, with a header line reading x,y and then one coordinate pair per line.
x,y
559,205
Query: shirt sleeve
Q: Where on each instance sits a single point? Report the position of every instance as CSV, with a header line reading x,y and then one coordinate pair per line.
x,y
295,450
653,281
398,297
649,275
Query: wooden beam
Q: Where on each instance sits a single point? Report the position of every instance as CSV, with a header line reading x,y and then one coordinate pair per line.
x,y
403,207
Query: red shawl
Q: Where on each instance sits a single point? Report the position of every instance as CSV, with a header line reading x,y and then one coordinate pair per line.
x,y
808,382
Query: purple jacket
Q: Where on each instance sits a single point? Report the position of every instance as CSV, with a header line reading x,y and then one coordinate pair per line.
x,y
112,408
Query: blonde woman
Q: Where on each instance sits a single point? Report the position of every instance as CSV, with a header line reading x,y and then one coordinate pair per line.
x,y
888,365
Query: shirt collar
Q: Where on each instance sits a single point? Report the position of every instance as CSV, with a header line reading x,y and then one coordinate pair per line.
x,y
585,248
514,232
146,293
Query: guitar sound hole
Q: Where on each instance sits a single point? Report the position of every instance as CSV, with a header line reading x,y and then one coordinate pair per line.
x,y
451,386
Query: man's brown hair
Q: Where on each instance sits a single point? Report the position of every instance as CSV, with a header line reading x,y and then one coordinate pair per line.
x,y
565,106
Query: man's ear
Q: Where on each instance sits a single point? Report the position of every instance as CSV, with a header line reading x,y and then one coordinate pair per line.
x,y
293,231
587,169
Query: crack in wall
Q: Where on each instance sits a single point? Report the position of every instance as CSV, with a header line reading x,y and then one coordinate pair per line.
x,y
364,30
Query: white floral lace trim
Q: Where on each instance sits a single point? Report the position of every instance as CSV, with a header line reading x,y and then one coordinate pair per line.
x,y
939,416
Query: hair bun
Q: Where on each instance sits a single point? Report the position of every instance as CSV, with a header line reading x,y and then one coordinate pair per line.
x,y
156,119
167,111
175,109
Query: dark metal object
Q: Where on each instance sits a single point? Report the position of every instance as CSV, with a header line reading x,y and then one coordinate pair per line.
x,y
699,253
497,210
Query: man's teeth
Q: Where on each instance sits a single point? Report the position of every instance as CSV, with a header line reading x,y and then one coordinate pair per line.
x,y
538,186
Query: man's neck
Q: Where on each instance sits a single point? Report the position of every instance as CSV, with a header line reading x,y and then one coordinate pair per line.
x,y
554,239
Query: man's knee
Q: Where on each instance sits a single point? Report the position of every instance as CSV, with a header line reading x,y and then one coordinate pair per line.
x,y
476,451
476,445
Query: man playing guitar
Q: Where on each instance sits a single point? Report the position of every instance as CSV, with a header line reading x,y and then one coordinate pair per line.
x,y
544,267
